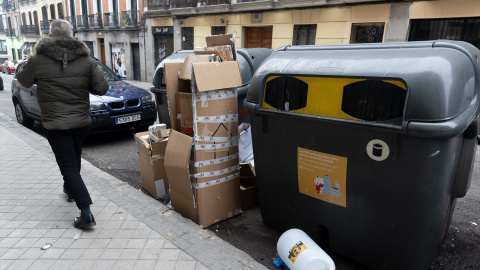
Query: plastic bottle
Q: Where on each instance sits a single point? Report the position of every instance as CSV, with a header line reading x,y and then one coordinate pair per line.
x,y
299,252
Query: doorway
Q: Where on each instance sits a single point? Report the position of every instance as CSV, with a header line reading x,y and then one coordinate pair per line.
x,y
258,37
102,49
136,62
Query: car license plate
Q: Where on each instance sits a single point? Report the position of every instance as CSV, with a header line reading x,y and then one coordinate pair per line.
x,y
126,119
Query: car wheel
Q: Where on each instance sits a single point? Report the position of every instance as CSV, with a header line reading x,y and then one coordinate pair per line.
x,y
21,116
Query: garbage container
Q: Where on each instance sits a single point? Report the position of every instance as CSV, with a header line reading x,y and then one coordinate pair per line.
x,y
366,147
248,59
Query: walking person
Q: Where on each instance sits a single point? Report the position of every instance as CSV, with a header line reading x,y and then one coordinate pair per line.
x,y
65,74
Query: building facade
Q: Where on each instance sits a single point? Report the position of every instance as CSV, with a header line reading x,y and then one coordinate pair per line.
x,y
133,36
183,24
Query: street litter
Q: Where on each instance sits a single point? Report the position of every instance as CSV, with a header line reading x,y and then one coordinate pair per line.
x,y
47,246
473,223
298,251
78,236
169,234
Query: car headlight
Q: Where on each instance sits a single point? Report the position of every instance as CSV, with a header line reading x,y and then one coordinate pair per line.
x,y
147,99
97,106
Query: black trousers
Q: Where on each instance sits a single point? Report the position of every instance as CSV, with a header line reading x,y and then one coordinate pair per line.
x,y
67,147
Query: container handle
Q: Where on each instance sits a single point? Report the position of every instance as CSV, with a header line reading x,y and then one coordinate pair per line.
x,y
445,129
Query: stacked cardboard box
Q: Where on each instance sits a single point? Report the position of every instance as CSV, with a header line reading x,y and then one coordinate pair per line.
x,y
202,162
151,152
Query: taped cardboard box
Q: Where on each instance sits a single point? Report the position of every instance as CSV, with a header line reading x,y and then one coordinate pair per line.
x,y
205,203
204,181
152,170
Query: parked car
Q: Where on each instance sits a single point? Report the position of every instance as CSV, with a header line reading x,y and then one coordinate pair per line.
x,y
9,67
124,105
248,60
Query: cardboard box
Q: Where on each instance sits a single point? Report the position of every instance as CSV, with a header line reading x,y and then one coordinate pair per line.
x,y
245,146
205,179
219,40
185,112
248,186
205,202
185,72
224,52
151,158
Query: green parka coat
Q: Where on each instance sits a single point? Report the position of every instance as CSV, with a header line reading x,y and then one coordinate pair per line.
x,y
65,74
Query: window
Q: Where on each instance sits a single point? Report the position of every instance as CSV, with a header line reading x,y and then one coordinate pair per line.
x,y
464,29
3,46
52,11
367,32
187,38
24,19
30,17
60,11
218,30
304,34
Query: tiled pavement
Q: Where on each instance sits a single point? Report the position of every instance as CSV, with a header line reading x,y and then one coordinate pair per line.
x,y
133,230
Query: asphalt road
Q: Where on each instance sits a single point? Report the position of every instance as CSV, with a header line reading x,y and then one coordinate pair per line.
x,y
116,153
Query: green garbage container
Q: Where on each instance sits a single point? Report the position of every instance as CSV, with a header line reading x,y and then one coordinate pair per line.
x,y
366,147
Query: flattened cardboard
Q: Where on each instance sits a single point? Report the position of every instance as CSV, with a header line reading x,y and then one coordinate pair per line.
x,y
223,51
174,85
218,40
248,186
186,69
215,75
245,145
177,159
152,170
186,111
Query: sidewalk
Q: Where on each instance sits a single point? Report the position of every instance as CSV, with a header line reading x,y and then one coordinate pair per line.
x,y
133,230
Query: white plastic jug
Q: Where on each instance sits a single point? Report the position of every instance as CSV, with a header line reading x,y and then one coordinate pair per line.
x,y
300,252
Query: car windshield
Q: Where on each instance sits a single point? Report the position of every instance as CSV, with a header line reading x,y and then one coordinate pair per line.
x,y
107,73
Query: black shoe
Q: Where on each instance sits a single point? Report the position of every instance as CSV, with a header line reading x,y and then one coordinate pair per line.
x,y
69,195
84,222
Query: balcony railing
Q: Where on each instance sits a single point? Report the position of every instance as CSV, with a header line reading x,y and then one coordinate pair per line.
x,y
110,19
7,6
29,30
158,4
213,2
10,32
72,21
45,25
95,20
183,3
82,21
130,18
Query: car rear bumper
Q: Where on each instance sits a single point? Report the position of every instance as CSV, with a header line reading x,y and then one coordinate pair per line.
x,y
104,121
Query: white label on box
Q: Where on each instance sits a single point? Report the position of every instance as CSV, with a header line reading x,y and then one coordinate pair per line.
x,y
215,173
215,146
217,118
160,188
215,182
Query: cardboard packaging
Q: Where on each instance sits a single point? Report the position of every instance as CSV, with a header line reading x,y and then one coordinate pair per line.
x,y
204,168
186,70
151,155
248,186
245,145
185,112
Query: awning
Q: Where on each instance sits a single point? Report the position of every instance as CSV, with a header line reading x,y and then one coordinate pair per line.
x,y
27,48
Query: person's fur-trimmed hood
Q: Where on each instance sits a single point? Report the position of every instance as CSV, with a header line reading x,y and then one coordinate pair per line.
x,y
56,48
